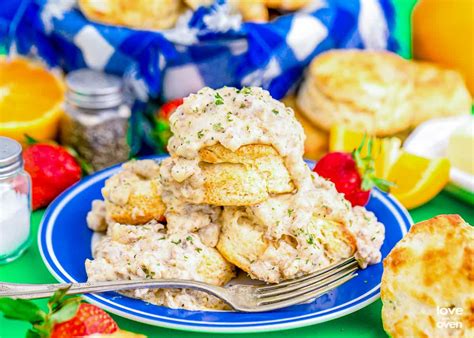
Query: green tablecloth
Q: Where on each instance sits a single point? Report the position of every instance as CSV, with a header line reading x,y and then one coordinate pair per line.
x,y
364,323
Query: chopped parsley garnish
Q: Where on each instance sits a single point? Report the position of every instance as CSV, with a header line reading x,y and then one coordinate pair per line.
x,y
290,211
246,91
276,112
176,242
200,134
198,250
218,100
190,239
310,239
229,117
218,127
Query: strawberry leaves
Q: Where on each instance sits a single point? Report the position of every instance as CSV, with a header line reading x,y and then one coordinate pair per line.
x,y
21,309
366,168
60,309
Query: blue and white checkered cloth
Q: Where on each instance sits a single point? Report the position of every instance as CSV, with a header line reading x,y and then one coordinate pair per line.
x,y
209,47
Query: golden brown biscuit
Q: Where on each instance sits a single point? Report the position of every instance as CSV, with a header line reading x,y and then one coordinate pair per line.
x,y
146,14
132,196
287,5
428,281
244,243
254,11
438,92
317,140
360,76
361,90
244,177
195,4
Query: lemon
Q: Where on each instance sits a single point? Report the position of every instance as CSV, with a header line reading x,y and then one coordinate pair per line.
x,y
418,179
385,150
31,100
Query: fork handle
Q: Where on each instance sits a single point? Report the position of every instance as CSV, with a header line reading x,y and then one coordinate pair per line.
x,y
34,291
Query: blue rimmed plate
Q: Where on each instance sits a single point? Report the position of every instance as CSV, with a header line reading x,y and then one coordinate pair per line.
x,y
64,243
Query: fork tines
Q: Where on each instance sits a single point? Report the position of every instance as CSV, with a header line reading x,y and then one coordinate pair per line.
x,y
309,286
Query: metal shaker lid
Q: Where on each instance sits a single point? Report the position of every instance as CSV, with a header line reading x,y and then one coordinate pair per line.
x,y
92,89
10,156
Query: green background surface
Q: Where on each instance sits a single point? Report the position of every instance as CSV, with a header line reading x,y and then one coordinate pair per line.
x,y
364,323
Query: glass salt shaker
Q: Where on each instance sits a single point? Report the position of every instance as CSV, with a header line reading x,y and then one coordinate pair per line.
x,y
96,118
15,202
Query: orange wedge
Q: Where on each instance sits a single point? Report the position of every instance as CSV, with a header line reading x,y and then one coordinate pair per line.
x,y
418,179
385,150
31,100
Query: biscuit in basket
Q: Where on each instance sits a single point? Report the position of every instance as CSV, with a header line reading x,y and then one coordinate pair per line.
x,y
428,281
244,243
132,196
254,10
146,14
438,93
287,5
244,177
358,89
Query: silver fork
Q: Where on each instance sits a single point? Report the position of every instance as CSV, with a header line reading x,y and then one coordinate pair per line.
x,y
246,298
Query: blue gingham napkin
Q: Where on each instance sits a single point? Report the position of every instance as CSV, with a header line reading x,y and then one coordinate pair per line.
x,y
208,47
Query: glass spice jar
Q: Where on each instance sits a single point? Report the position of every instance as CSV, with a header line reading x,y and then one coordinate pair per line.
x,y
15,202
95,123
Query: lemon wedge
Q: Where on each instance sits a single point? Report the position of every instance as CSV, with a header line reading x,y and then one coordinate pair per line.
x,y
418,179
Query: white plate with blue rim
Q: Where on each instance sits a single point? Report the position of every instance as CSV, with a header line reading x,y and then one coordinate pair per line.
x,y
65,243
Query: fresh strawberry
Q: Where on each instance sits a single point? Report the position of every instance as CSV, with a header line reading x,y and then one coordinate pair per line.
x,y
169,107
52,170
89,319
67,317
162,131
353,175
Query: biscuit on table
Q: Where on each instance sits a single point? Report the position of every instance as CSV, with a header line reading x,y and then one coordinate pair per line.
x,y
438,93
145,14
428,272
244,177
132,196
360,90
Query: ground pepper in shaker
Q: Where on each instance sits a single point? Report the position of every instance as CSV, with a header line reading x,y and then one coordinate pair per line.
x,y
15,202
95,123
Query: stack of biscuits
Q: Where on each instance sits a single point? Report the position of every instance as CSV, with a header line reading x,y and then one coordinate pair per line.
x,y
235,192
378,92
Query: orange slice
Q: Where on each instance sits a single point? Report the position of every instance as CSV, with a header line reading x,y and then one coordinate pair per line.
x,y
418,179
31,100
385,150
